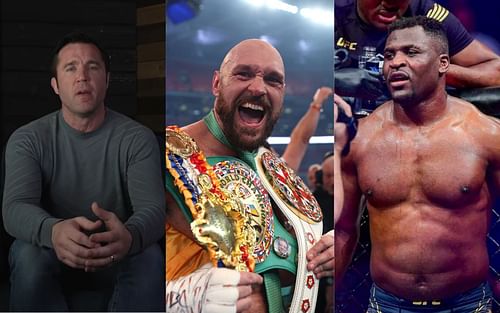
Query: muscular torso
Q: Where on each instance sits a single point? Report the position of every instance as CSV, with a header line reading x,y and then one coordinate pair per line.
x,y
429,204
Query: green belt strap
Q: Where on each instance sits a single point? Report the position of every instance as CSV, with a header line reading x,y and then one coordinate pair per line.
x,y
273,292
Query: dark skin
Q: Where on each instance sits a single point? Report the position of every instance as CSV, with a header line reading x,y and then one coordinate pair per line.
x,y
429,167
474,66
341,139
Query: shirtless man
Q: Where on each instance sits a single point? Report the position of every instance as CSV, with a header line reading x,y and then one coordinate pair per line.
x,y
429,167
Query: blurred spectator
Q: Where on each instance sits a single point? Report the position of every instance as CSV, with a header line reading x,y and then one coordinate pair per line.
x,y
324,195
305,128
363,23
311,176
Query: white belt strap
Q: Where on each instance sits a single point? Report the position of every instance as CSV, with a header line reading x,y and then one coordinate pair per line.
x,y
307,234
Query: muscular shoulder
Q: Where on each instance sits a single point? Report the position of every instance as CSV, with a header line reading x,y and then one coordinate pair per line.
x,y
127,130
36,134
196,130
125,125
373,123
40,125
370,128
482,128
471,115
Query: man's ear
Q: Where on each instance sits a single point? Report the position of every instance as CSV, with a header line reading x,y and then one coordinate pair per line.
x,y
216,80
53,83
107,80
444,63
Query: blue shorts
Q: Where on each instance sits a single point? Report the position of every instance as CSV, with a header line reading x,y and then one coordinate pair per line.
x,y
477,300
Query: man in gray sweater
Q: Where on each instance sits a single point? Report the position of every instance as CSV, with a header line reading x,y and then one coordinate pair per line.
x,y
83,195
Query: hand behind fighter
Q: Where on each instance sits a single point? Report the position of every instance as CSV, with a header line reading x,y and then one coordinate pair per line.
x,y
321,256
71,244
114,243
340,129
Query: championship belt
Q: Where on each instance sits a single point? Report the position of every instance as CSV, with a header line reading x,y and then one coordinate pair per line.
x,y
231,210
243,183
302,210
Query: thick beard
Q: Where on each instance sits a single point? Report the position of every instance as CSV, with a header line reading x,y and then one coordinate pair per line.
x,y
227,115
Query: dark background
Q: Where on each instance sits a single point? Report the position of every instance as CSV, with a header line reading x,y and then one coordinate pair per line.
x,y
129,30
481,18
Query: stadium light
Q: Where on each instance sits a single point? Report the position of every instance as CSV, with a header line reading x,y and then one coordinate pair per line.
x,y
317,15
275,4
313,140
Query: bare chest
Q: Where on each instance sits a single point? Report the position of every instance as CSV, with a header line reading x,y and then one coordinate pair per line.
x,y
442,168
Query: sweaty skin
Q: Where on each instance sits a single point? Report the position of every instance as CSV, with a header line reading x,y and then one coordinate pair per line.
x,y
429,167
429,204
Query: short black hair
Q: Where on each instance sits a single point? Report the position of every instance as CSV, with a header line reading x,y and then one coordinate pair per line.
x,y
431,27
77,37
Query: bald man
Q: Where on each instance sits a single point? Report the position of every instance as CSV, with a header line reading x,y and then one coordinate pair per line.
x,y
218,154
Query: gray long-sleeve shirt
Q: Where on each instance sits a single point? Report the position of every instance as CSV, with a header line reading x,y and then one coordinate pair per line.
x,y
55,172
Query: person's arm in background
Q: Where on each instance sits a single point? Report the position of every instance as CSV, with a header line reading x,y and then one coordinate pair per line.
x,y
321,258
305,128
341,138
347,224
475,66
348,218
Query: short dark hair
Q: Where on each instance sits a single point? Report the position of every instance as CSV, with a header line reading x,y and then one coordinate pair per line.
x,y
77,37
431,27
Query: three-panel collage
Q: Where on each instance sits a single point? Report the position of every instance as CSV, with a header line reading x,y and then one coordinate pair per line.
x,y
250,156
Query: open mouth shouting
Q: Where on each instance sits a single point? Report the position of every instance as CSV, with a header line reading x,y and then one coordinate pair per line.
x,y
251,114
248,122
